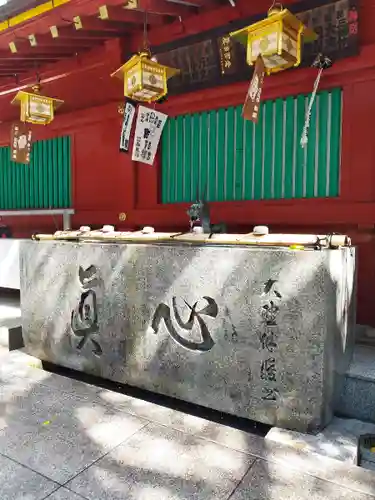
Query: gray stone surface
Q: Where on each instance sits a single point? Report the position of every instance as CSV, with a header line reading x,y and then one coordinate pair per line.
x,y
325,468
358,392
159,463
273,481
65,494
19,483
339,440
362,365
237,365
59,437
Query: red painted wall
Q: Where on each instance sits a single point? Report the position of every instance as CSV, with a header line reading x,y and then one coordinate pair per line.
x,y
106,182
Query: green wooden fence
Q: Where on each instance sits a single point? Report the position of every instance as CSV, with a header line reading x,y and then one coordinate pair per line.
x,y
44,183
233,159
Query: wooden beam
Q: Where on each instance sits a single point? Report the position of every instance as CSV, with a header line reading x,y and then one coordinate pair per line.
x,y
69,32
191,3
96,24
118,13
47,41
166,8
23,47
10,73
5,57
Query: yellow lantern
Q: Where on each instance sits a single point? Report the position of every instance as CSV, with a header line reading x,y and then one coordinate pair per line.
x,y
145,80
278,39
36,108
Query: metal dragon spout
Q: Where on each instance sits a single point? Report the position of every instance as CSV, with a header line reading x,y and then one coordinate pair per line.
x,y
199,211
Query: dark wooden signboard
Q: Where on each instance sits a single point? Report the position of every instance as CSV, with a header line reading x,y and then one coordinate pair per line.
x,y
212,58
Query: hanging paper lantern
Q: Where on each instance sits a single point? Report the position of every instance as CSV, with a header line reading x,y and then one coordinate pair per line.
x,y
145,80
278,39
36,108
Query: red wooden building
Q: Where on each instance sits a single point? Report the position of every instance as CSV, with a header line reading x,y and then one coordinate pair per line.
x,y
103,183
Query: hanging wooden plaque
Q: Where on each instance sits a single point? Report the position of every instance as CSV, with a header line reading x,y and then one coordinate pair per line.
x,y
20,143
250,110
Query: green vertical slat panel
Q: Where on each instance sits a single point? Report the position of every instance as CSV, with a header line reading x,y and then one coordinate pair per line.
x,y
33,183
2,177
229,155
38,175
13,187
43,176
249,157
313,136
279,153
44,183
290,147
238,160
22,172
322,103
212,155
203,157
30,177
60,171
258,151
3,161
187,159
195,134
69,176
180,177
239,154
300,152
2,164
64,154
19,169
49,178
268,151
172,159
7,185
6,158
220,163
165,180
334,160
26,180
50,167
5,173
56,166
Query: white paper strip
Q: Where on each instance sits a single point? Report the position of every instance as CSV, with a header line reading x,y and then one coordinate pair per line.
x,y
150,124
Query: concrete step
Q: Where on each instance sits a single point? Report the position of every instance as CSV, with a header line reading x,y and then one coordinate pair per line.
x,y
358,395
10,321
338,441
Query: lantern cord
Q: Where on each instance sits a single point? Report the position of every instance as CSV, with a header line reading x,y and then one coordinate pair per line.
x,y
145,41
304,138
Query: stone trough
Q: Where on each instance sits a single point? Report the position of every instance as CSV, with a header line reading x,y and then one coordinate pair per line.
x,y
261,333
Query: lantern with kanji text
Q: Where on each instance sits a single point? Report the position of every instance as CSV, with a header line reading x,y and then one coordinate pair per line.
x,y
278,39
145,80
36,108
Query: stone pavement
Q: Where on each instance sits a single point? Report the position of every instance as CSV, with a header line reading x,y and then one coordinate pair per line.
x,y
65,440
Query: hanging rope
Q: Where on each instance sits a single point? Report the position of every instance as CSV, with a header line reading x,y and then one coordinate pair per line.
x,y
304,138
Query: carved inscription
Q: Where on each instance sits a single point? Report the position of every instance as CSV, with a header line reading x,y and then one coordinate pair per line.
x,y
163,313
268,339
84,318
